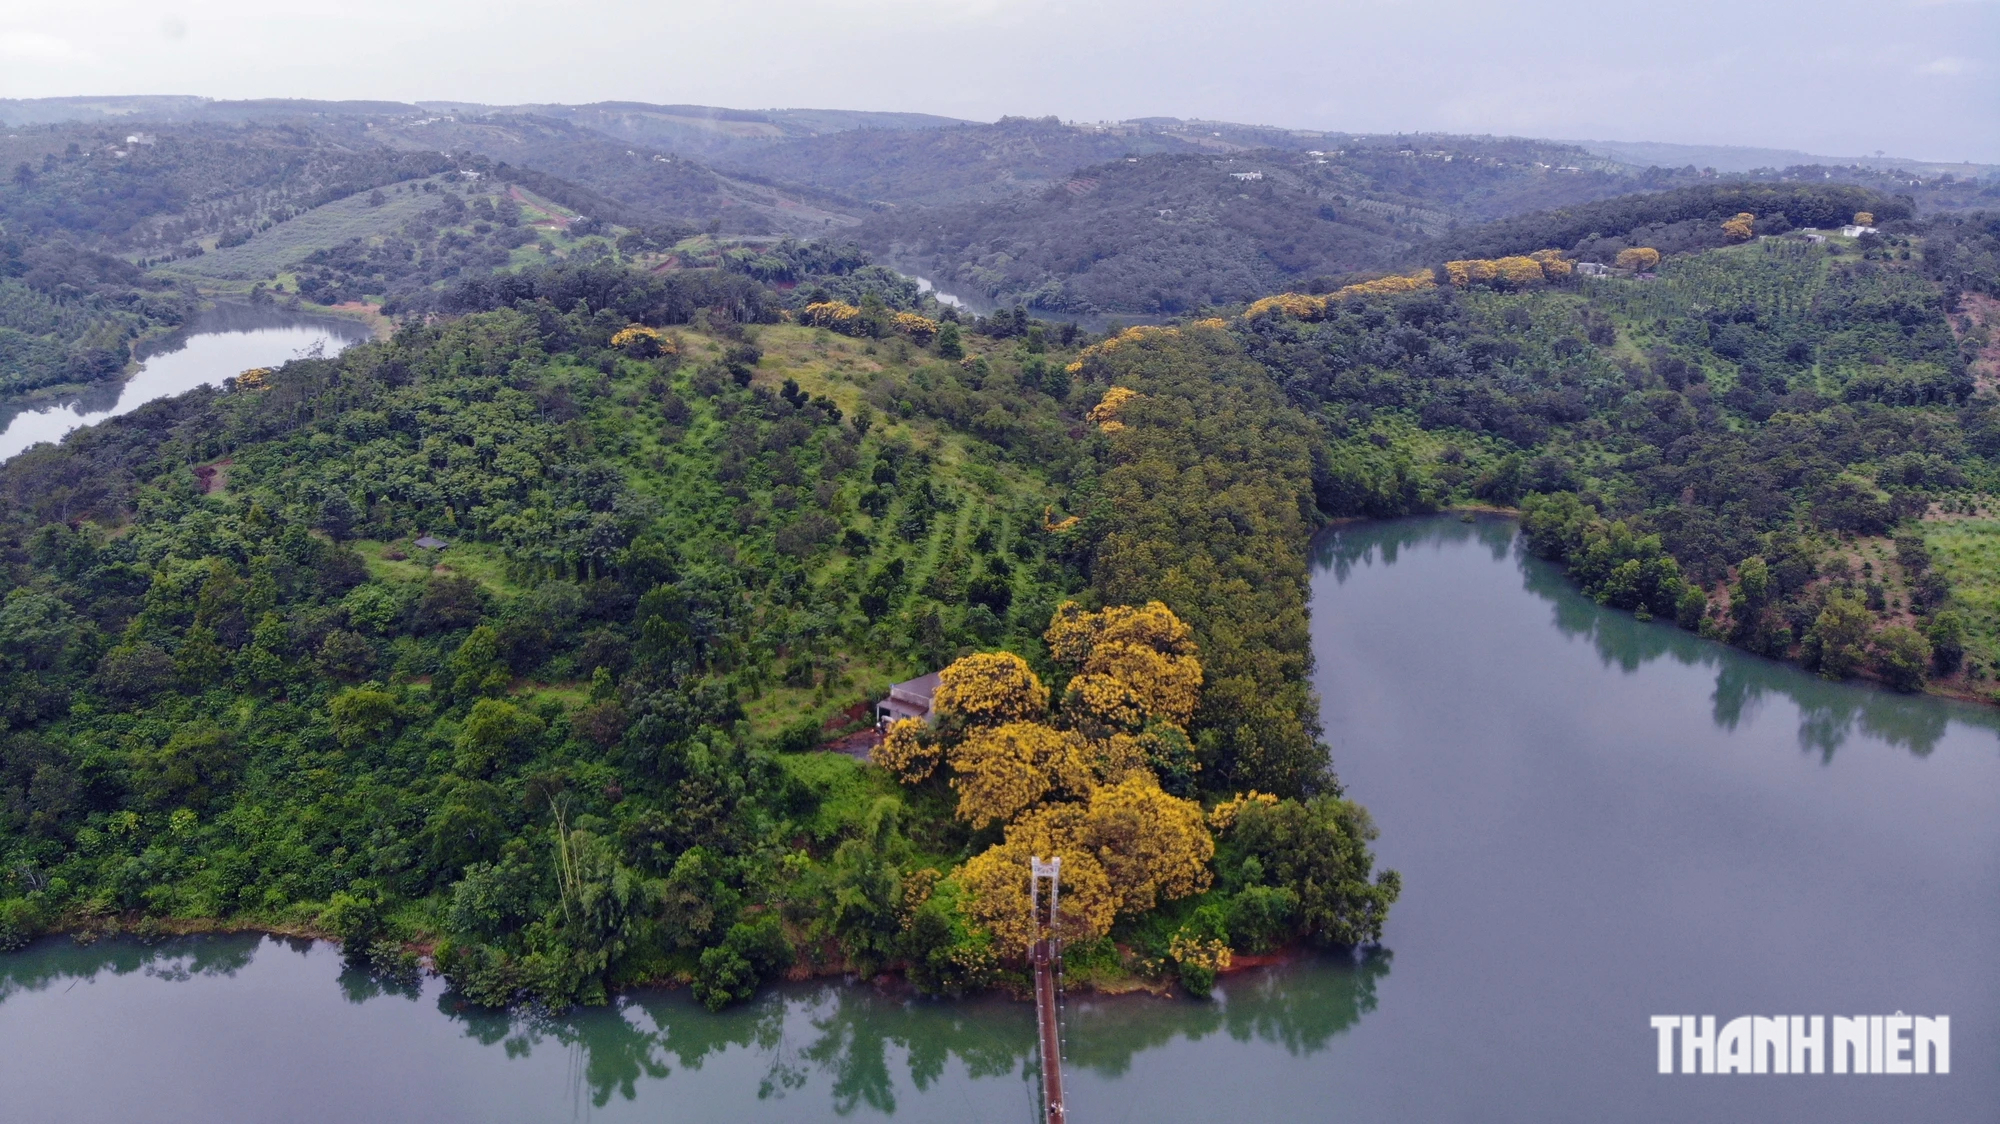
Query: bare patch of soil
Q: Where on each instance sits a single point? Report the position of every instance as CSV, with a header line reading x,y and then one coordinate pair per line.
x,y
1977,312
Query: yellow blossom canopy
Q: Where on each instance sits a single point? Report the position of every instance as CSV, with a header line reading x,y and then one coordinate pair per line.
x,y
989,688
1638,258
1000,773
1223,816
918,328
1105,413
906,752
836,315
1131,847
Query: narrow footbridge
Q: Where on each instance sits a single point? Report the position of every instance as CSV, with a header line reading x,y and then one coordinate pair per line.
x,y
1045,956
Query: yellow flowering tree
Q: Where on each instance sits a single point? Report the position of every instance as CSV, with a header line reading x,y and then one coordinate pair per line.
x,y
838,316
996,885
1298,306
1638,258
1555,266
1002,772
1135,664
989,688
1415,282
1303,306
1223,816
1081,783
907,751
1128,848
1517,271
644,342
1105,413
1738,229
921,329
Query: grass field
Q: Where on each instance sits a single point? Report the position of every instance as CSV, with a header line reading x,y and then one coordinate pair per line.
x,y
484,563
1967,551
282,246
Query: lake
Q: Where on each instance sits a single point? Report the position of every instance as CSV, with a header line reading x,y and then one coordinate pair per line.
x,y
1597,820
221,343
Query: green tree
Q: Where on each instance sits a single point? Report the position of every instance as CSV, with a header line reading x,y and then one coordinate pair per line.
x,y
1837,642
1946,633
1751,592
863,899
1318,850
195,765
1901,655
496,735
732,971
476,668
364,715
949,343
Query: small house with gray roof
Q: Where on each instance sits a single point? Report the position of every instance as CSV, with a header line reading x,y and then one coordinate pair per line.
x,y
909,699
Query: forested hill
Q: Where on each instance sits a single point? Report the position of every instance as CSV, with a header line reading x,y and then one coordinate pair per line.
x,y
649,185
1674,221
82,212
1168,233
1786,444
684,544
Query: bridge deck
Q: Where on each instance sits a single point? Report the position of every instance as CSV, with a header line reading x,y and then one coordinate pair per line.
x,y
1043,957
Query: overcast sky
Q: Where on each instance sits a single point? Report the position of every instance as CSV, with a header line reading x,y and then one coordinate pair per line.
x,y
1916,78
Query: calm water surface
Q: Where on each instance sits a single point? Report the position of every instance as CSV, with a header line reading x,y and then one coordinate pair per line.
x,y
1597,820
221,344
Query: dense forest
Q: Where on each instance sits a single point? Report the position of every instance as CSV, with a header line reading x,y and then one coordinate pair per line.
x,y
1778,443
1173,232
1675,221
687,544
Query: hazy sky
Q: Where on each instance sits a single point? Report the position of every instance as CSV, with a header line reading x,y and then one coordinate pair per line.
x,y
1913,77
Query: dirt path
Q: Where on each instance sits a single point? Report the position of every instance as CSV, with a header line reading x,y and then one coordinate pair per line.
x,y
559,221
1983,312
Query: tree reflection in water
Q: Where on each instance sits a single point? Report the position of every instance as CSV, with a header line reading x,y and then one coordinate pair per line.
x,y
1829,713
859,1038
867,1044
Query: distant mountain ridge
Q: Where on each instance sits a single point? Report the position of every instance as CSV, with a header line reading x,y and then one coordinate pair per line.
x,y
712,131
1151,216
1745,158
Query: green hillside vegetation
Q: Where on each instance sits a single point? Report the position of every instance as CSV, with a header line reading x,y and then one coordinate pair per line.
x,y
156,201
71,315
1169,233
954,164
395,246
278,248
82,212
572,751
1677,221
711,479
646,185
1733,445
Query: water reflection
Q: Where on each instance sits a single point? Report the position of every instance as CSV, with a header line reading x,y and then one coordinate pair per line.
x,y
219,344
56,961
870,1049
1829,713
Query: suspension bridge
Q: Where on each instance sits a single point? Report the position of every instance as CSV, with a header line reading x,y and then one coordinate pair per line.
x,y
1045,956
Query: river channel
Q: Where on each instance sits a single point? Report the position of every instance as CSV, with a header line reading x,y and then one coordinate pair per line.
x,y
1597,820
221,343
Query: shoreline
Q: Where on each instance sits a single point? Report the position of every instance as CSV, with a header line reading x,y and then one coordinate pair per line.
x,y
85,932
1954,688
